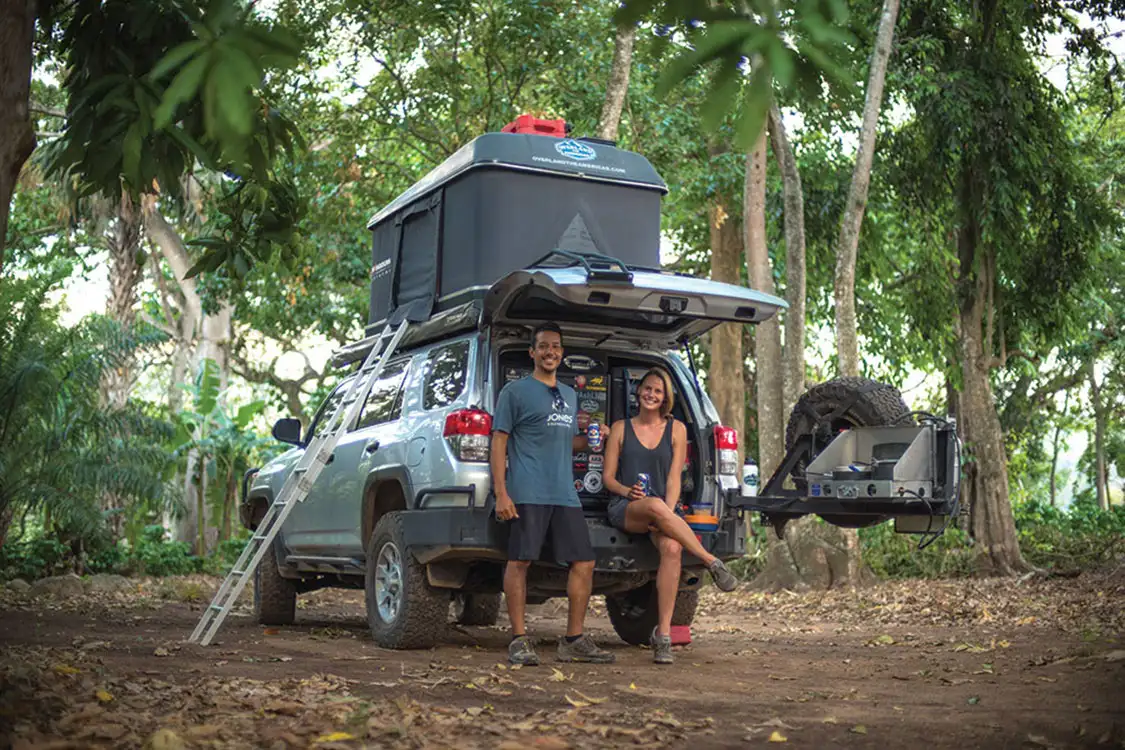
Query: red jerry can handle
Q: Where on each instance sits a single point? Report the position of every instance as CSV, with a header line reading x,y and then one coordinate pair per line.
x,y
535,126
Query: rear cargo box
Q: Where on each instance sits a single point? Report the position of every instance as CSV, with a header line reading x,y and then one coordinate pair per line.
x,y
497,205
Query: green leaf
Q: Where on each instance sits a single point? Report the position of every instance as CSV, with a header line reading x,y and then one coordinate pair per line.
x,y
174,59
208,384
247,412
723,95
184,86
131,155
211,261
236,78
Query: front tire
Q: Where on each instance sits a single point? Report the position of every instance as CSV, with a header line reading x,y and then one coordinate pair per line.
x,y
403,610
275,598
634,614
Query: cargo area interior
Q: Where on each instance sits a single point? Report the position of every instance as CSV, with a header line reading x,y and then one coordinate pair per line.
x,y
606,385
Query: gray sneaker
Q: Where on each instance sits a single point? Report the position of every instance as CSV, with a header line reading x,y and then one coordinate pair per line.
x,y
722,576
661,647
520,651
584,649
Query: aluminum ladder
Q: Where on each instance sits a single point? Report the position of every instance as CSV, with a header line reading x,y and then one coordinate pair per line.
x,y
298,484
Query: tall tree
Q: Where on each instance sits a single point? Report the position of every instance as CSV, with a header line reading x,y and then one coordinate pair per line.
x,y
1097,404
725,377
17,134
618,85
847,338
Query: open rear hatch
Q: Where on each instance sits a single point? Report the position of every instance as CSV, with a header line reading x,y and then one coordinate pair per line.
x,y
600,298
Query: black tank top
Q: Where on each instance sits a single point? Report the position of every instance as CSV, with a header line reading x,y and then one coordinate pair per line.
x,y
637,459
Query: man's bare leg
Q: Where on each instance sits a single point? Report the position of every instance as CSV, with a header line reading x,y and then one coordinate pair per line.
x,y
515,592
579,584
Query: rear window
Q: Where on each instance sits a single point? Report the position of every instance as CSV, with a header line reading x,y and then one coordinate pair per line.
x,y
384,403
446,372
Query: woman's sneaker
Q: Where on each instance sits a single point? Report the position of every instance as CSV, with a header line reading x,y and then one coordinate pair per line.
x,y
520,651
584,649
661,647
722,576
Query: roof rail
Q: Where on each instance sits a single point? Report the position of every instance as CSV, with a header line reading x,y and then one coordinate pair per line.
x,y
598,267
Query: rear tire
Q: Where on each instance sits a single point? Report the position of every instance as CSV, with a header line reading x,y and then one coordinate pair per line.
x,y
872,404
634,614
275,598
476,609
403,609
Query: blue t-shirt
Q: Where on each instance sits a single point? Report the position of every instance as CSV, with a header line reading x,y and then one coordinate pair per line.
x,y
540,442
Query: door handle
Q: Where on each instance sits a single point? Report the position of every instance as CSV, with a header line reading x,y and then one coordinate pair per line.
x,y
372,447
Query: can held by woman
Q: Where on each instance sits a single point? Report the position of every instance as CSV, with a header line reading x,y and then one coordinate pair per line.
x,y
594,437
645,481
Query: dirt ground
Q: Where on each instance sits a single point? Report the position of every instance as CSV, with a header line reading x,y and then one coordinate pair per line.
x,y
996,664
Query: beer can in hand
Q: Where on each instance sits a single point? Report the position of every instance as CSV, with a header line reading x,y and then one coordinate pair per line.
x,y
645,481
594,437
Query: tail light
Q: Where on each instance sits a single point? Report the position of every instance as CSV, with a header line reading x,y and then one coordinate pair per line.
x,y
468,432
726,450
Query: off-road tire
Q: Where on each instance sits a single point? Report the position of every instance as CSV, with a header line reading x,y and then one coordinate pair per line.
x,y
873,404
423,612
477,609
275,598
634,613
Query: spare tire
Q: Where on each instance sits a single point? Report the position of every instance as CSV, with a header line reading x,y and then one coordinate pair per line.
x,y
838,405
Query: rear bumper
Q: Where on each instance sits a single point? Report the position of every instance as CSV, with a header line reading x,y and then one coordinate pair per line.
x,y
441,534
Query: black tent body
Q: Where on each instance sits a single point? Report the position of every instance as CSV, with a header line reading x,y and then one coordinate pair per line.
x,y
499,204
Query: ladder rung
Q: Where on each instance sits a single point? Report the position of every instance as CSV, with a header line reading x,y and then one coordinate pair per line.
x,y
216,607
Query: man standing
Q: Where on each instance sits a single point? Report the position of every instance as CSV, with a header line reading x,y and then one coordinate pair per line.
x,y
534,429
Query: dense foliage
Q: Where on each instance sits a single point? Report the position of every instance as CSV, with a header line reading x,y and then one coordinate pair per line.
x,y
256,144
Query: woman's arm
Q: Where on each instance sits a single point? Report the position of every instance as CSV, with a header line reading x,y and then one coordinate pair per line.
x,y
676,470
612,456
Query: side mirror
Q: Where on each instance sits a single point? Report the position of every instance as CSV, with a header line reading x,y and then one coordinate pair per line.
x,y
288,430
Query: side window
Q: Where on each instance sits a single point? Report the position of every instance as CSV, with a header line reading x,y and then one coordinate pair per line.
x,y
446,371
327,409
384,403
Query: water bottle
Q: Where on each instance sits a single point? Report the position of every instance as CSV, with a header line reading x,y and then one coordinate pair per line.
x,y
749,478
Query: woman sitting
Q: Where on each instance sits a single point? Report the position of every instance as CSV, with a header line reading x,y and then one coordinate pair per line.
x,y
654,443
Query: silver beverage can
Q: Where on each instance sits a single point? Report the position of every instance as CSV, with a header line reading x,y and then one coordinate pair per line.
x,y
594,437
645,481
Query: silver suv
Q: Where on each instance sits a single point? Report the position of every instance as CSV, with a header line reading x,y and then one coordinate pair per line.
x,y
404,507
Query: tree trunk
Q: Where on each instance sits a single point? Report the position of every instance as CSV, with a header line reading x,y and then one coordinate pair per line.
x,y
794,366
1056,447
847,343
124,275
228,505
125,272
17,134
767,339
1101,480
618,85
725,381
993,526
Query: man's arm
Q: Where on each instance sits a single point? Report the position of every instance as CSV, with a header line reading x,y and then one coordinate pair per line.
x,y
505,507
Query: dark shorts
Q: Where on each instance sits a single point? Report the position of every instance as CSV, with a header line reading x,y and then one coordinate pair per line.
x,y
564,527
616,511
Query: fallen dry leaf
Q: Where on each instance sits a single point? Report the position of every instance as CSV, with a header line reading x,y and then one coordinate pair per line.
x,y
884,640
777,736
858,729
829,720
161,651
165,739
103,696
333,737
576,703
588,699
1115,655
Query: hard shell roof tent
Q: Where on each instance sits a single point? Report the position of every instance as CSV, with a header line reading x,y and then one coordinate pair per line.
x,y
500,203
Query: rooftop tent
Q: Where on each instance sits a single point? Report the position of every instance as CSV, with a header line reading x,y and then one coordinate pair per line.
x,y
500,203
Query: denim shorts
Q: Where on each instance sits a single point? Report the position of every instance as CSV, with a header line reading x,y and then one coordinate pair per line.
x,y
616,511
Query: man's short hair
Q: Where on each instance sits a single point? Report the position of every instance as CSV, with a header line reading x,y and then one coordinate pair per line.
x,y
543,328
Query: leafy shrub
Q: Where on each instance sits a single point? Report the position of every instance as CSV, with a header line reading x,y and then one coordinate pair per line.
x,y
1079,537
892,555
36,558
157,556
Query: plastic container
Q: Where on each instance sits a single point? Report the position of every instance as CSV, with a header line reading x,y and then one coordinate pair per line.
x,y
700,522
749,478
681,635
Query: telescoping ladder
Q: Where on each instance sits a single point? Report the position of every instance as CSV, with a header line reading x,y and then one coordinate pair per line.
x,y
298,483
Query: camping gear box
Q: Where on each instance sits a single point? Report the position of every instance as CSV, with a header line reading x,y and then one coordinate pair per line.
x,y
497,205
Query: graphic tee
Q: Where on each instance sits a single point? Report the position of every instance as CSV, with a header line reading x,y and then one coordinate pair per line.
x,y
541,431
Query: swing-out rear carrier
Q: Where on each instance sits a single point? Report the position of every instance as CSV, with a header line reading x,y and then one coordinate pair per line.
x,y
497,205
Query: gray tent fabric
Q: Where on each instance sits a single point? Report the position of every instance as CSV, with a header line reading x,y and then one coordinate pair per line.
x,y
498,205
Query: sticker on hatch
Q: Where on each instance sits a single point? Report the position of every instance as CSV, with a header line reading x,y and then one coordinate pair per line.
x,y
572,149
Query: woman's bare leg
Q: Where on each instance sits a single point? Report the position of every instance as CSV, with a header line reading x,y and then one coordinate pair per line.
x,y
667,580
642,515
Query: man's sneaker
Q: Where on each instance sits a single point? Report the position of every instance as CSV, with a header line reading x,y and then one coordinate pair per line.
x,y
722,576
584,649
661,647
520,651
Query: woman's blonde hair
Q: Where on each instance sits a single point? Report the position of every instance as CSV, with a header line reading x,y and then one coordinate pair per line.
x,y
669,398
